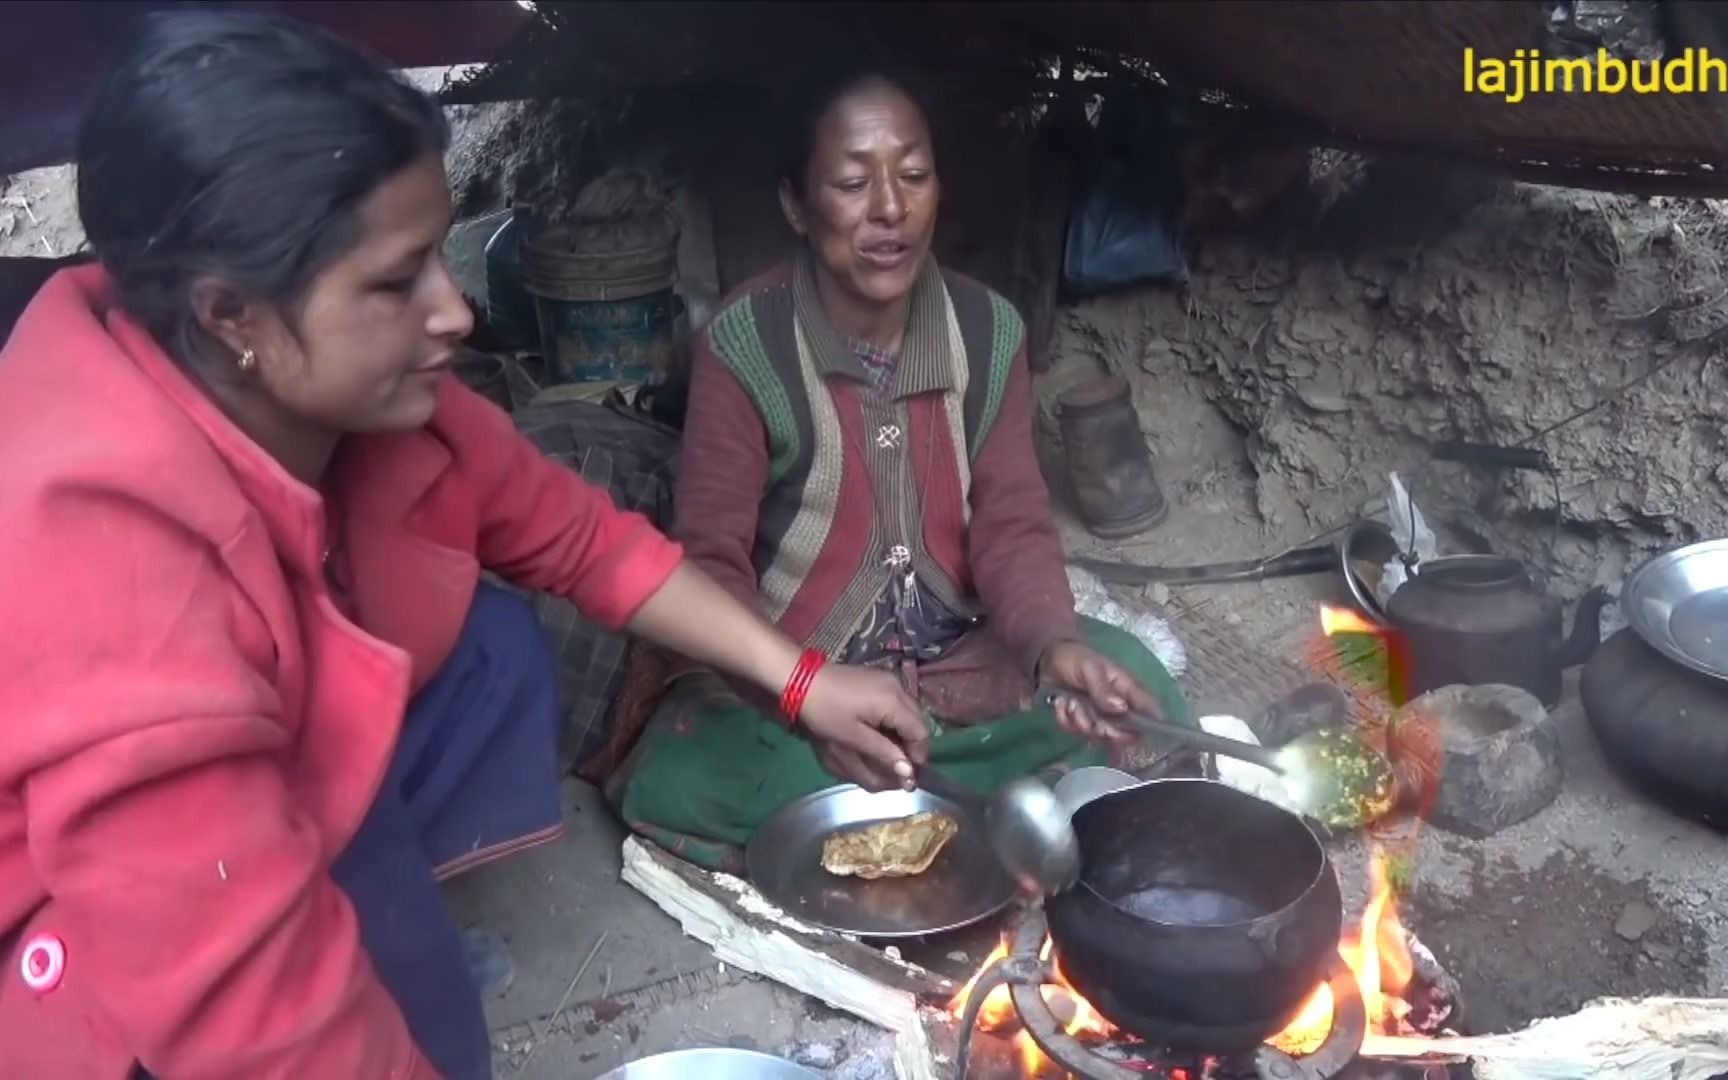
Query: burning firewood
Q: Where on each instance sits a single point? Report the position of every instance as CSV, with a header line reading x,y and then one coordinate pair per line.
x,y
1619,1038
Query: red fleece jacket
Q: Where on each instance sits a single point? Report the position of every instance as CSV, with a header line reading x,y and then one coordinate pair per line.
x,y
191,731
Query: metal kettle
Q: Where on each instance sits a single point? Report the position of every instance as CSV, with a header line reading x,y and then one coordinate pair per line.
x,y
1475,619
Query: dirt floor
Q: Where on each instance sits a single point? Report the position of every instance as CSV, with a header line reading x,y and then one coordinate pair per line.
x,y
1533,943
1601,894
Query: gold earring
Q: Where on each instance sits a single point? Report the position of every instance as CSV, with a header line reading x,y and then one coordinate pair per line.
x,y
248,360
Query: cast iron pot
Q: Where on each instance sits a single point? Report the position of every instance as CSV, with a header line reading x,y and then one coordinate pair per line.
x,y
1661,726
1204,917
1479,619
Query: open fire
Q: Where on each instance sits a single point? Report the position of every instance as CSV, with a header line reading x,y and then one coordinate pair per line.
x,y
1378,953
1076,1015
1378,950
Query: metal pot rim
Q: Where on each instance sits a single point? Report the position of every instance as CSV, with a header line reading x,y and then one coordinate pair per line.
x,y
1456,571
1358,535
1321,872
709,1055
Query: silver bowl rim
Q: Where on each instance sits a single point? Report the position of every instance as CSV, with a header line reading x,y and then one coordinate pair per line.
x,y
1637,583
672,1057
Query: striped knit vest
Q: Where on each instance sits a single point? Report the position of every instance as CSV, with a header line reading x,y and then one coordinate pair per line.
x,y
768,348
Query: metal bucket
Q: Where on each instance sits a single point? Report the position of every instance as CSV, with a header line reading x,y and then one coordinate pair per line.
x,y
608,340
1108,460
604,315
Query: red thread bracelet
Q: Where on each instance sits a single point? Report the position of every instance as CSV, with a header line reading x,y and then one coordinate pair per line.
x,y
798,685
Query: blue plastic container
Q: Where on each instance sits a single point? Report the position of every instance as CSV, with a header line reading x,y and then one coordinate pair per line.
x,y
607,340
604,315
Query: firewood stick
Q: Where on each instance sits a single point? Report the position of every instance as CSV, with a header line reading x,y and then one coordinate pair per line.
x,y
1656,1038
747,932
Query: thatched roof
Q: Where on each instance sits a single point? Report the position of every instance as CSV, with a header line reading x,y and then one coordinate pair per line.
x,y
51,53
1373,74
1383,75
1391,73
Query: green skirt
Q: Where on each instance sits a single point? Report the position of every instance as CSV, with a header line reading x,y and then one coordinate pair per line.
x,y
709,769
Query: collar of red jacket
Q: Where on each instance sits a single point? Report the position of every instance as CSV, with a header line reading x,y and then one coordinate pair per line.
x,y
76,310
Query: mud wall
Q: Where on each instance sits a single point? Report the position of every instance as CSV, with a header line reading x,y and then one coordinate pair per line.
x,y
1324,345
1427,305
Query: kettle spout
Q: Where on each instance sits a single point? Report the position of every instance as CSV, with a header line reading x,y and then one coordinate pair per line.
x,y
1586,629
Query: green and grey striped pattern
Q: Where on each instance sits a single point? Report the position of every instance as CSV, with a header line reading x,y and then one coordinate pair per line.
x,y
961,341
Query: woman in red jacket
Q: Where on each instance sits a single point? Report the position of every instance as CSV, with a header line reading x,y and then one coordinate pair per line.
x,y
255,702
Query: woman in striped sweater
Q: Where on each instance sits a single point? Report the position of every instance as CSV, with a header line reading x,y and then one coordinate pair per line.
x,y
858,465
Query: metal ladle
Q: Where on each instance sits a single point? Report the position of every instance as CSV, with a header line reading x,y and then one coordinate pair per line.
x,y
1328,774
1027,827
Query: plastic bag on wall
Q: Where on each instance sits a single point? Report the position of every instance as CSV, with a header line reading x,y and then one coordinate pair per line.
x,y
1094,601
1410,532
1123,230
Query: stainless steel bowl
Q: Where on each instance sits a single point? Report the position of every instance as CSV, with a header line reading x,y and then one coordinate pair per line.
x,y
1678,603
717,1063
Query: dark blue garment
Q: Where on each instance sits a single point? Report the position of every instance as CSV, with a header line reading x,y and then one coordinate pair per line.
x,y
475,775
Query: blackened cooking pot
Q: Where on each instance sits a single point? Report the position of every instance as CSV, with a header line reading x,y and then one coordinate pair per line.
x,y
1480,619
1204,917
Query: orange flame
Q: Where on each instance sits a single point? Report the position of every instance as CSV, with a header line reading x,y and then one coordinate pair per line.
x,y
1379,955
1072,1011
1337,620
997,1011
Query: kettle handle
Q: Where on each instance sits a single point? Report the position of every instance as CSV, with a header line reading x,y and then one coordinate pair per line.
x,y
1586,631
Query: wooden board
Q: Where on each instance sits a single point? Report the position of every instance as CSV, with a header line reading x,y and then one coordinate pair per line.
x,y
1608,1039
748,932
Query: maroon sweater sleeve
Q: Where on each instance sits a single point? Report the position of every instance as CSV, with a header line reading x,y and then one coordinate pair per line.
x,y
1018,566
722,475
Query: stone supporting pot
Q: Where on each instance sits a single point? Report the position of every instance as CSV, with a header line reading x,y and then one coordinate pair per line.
x,y
1500,757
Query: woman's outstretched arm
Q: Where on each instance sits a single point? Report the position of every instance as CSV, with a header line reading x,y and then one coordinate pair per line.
x,y
544,527
868,728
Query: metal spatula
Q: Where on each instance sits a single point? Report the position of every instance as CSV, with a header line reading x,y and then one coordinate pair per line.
x,y
1330,774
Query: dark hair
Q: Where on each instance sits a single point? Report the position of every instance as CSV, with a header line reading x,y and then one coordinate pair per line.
x,y
808,98
240,146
